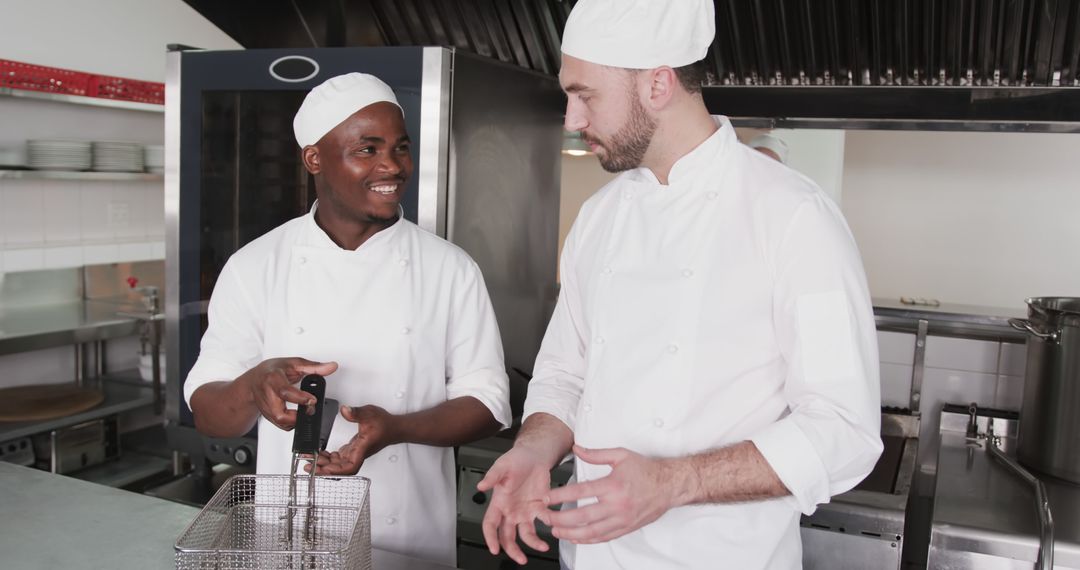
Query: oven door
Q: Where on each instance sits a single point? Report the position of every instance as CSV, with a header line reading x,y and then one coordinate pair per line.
x,y
473,462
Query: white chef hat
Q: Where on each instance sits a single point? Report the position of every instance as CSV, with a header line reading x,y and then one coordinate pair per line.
x,y
333,101
640,34
771,142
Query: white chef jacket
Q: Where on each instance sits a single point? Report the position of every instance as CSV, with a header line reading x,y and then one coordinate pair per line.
x,y
408,320
727,305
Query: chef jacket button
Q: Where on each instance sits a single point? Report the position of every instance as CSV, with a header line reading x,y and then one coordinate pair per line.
x,y
406,330
390,520
673,348
627,196
607,271
658,423
400,394
403,262
687,272
392,459
588,408
599,340
711,195
303,260
299,330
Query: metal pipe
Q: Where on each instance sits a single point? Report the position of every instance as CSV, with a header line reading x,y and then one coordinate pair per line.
x,y
103,360
1045,560
155,359
918,367
78,365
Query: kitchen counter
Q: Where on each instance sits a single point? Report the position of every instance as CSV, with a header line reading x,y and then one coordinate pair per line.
x,y
949,319
984,515
50,521
61,324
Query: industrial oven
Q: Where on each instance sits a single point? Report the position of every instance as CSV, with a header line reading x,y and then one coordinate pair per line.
x,y
486,138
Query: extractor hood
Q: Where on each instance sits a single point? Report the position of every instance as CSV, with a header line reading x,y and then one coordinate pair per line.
x,y
923,64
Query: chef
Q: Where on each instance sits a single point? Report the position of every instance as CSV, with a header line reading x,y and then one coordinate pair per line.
x,y
712,359
771,146
398,320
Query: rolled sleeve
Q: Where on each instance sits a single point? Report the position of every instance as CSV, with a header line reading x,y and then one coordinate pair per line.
x,y
232,343
474,362
794,459
559,374
825,326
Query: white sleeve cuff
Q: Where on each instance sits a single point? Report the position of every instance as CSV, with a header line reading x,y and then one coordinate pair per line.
x,y
206,371
794,459
488,386
551,400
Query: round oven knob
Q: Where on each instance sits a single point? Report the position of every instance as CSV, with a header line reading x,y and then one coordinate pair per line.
x,y
479,498
242,455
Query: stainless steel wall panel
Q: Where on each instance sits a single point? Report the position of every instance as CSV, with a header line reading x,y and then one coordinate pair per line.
x,y
172,232
434,133
503,199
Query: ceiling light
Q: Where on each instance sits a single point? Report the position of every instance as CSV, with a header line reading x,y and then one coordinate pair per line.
x,y
573,145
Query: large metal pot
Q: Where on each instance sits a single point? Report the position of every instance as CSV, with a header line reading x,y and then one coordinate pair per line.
x,y
1049,439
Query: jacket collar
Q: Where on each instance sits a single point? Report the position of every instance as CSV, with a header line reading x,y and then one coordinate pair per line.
x,y
704,157
316,237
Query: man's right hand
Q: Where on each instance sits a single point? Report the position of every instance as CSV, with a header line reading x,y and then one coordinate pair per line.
x,y
272,383
519,482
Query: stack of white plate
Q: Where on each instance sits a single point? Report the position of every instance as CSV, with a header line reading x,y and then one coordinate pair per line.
x,y
154,155
118,157
58,155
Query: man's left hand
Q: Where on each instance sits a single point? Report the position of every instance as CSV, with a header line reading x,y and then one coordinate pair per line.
x,y
636,492
374,431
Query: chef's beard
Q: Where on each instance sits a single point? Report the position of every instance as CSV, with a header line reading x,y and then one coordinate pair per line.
x,y
629,144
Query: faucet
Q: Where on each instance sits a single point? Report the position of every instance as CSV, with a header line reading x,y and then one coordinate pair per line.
x,y
150,332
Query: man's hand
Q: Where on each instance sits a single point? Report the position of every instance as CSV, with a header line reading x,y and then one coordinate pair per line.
x,y
272,383
519,482
375,429
636,492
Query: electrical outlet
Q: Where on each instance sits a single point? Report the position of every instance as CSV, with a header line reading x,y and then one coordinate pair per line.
x,y
119,214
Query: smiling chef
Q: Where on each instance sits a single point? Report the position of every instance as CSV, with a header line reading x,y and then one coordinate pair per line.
x,y
712,359
397,319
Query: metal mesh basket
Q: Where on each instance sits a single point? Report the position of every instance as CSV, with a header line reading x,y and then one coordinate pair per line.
x,y
250,524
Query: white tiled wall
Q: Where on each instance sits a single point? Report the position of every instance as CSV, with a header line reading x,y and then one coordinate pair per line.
x,y
50,224
897,353
958,371
57,365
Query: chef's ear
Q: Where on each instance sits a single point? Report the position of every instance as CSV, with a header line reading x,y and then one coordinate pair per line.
x,y
662,82
310,156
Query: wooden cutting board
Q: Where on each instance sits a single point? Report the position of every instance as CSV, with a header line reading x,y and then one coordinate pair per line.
x,y
46,401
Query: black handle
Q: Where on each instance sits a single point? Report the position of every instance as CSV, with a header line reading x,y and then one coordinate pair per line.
x,y
329,414
309,426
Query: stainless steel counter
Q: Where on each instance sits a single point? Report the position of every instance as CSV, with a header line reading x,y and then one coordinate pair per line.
x,y
51,521
984,515
950,319
62,324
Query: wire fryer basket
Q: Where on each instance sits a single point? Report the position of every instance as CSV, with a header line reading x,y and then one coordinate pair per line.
x,y
251,524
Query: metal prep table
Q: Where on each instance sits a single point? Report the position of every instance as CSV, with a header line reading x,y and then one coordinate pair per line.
x,y
984,515
50,521
61,324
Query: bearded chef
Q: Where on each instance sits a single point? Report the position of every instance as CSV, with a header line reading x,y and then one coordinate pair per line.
x,y
398,320
712,360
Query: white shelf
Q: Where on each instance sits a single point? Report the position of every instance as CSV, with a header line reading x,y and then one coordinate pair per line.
x,y
82,100
69,175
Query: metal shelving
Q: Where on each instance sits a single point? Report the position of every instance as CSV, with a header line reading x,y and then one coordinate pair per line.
x,y
68,175
82,100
